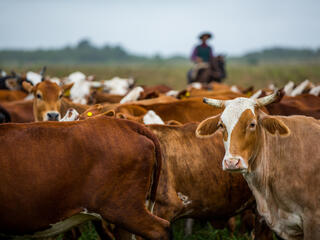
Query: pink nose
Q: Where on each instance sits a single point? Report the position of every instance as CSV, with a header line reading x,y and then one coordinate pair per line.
x,y
232,163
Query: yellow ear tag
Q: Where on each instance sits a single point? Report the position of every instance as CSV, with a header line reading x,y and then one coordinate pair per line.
x,y
67,93
187,94
89,114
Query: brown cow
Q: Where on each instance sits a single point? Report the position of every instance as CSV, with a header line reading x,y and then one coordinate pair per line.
x,y
183,111
20,111
220,94
150,92
192,183
12,95
278,156
185,178
305,104
47,99
101,97
104,168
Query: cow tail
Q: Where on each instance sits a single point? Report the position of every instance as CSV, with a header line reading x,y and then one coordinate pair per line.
x,y
158,163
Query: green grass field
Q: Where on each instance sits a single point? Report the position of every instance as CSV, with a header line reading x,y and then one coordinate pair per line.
x,y
174,75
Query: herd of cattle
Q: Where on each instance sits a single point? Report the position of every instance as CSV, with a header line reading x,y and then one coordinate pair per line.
x,y
137,158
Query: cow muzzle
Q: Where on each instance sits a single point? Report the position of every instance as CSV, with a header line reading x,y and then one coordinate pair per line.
x,y
232,164
52,116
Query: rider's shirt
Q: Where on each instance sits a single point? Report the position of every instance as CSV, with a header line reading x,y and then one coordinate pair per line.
x,y
203,51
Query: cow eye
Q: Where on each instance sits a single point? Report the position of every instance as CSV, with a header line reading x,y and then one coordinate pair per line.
x,y
60,96
38,96
220,125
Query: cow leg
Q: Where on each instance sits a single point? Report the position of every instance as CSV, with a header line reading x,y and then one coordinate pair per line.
x,y
121,234
188,226
142,223
311,229
102,228
232,225
261,229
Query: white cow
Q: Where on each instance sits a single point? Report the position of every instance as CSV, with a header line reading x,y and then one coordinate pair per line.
x,y
34,78
71,115
315,91
152,118
288,88
81,87
300,88
3,73
119,86
133,95
172,93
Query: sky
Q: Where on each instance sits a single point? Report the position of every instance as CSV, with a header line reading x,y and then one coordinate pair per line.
x,y
166,27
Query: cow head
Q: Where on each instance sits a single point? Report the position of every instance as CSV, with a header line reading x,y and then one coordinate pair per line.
x,y
241,123
47,99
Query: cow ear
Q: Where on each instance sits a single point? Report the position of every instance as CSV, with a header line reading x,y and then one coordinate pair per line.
x,y
273,124
208,127
121,115
67,87
27,86
173,123
110,113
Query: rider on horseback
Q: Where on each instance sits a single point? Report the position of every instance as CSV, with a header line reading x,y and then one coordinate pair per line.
x,y
202,53
206,67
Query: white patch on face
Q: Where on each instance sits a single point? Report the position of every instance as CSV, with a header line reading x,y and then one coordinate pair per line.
x,y
172,93
152,118
55,80
300,88
235,89
315,91
288,88
185,199
196,85
96,84
230,117
272,87
71,115
133,95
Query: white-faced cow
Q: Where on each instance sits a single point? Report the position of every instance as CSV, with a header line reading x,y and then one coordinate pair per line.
x,y
280,159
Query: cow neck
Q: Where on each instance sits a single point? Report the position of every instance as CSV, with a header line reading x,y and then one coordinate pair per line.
x,y
259,167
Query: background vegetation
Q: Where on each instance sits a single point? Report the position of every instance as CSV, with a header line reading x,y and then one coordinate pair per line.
x,y
259,68
173,74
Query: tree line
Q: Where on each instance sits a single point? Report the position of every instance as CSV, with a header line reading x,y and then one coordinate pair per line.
x,y
85,52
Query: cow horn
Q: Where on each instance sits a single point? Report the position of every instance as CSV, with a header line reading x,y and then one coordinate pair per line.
x,y
214,102
268,99
42,72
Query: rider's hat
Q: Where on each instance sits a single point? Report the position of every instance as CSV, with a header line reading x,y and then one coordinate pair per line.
x,y
202,35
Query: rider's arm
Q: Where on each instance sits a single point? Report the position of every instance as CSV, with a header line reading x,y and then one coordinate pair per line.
x,y
211,53
194,55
